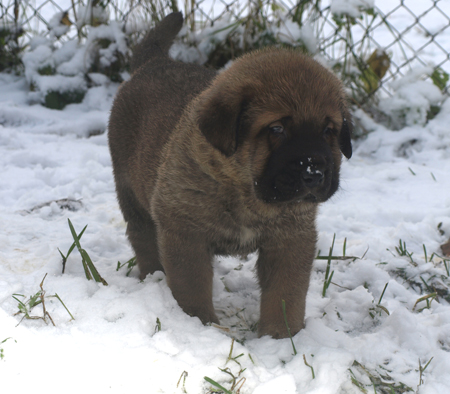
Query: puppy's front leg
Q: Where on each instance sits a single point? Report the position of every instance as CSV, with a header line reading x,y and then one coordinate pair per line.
x,y
284,268
187,264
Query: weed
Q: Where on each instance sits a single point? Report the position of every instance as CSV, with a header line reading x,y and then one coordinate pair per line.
x,y
402,251
429,281
183,376
312,369
26,307
329,258
230,355
10,49
64,258
283,305
428,299
420,285
58,100
381,383
425,253
158,325
2,353
427,286
440,78
89,267
249,25
378,308
343,257
445,262
215,384
328,276
130,265
357,383
422,370
242,324
236,380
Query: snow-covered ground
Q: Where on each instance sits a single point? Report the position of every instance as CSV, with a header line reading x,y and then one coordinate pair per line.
x,y
55,165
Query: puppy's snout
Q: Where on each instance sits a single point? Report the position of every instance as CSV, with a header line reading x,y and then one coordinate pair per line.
x,y
311,170
312,176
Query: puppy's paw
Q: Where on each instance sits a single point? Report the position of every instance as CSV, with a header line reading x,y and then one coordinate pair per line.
x,y
446,248
206,315
277,331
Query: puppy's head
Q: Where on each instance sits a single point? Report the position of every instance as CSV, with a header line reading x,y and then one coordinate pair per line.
x,y
284,119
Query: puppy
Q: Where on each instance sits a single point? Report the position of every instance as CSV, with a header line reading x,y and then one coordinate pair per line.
x,y
228,164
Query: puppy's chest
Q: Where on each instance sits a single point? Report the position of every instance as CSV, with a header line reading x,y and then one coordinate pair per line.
x,y
232,241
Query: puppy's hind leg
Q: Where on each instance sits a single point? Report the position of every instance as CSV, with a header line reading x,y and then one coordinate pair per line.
x,y
142,236
141,232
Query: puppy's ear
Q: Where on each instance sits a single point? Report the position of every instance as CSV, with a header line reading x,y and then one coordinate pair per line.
x,y
219,119
345,140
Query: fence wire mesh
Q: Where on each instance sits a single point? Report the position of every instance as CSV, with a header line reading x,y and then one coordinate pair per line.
x,y
413,33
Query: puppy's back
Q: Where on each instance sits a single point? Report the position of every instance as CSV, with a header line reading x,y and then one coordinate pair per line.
x,y
147,109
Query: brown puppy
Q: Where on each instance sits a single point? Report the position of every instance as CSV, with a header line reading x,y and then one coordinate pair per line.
x,y
227,164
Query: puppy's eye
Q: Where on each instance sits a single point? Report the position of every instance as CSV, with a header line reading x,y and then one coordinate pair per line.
x,y
276,129
329,131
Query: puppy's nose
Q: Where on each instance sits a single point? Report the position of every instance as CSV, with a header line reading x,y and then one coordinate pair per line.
x,y
312,176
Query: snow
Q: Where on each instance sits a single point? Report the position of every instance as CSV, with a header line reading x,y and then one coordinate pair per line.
x,y
89,14
412,99
352,8
281,27
55,25
68,63
395,187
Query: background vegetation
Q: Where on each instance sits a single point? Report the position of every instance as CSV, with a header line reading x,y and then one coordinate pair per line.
x,y
105,31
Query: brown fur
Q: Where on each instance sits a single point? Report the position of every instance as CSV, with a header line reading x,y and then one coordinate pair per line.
x,y
446,248
228,164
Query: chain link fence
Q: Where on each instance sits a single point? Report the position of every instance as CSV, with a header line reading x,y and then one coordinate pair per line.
x,y
390,37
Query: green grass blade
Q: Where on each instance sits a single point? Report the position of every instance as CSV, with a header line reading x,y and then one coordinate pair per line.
x,y
64,305
427,364
73,245
283,305
382,294
329,280
21,305
90,265
74,235
383,309
310,366
209,380
86,270
89,268
332,244
446,267
63,257
336,257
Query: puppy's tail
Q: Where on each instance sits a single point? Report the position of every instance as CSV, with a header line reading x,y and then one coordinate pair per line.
x,y
158,41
